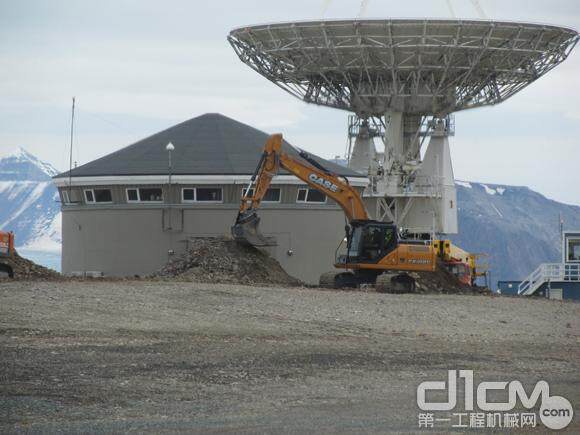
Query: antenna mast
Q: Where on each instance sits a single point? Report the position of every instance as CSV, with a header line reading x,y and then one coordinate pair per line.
x,y
70,160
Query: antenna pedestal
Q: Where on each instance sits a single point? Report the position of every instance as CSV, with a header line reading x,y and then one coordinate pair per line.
x,y
417,193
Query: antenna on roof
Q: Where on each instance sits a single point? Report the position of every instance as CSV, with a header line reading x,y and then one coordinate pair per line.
x,y
451,10
363,8
325,5
479,9
70,160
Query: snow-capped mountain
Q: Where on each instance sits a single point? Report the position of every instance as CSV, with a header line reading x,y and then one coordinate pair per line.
x,y
28,201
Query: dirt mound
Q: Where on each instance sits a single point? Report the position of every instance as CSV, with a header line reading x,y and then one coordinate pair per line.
x,y
219,260
26,269
441,281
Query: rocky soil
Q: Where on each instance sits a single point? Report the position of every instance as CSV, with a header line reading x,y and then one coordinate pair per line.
x,y
441,281
219,260
26,269
185,357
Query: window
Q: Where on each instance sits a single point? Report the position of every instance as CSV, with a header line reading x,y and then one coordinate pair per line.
x,y
145,194
102,196
201,194
65,197
311,195
150,194
132,195
372,242
208,194
272,194
188,195
573,249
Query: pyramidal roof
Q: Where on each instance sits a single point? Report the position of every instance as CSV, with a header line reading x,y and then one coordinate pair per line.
x,y
211,144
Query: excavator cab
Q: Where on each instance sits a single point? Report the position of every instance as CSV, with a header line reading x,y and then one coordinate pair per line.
x,y
369,241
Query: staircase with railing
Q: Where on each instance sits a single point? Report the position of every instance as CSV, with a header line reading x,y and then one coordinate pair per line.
x,y
548,272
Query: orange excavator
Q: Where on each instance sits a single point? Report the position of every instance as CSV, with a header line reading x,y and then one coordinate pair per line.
x,y
374,252
6,251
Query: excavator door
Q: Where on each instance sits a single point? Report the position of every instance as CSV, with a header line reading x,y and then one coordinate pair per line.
x,y
370,241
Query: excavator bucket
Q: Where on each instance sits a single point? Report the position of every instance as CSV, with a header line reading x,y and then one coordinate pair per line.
x,y
246,231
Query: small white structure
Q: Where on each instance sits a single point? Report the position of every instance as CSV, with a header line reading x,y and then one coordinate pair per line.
x,y
557,280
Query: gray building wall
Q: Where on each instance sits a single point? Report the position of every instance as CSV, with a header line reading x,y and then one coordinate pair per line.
x,y
125,239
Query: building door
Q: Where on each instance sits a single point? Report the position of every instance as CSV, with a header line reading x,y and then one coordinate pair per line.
x,y
556,294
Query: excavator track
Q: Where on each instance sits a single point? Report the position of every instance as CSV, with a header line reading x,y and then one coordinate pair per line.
x,y
396,283
338,280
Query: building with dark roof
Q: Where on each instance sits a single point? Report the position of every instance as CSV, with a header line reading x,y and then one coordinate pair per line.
x,y
123,217
211,144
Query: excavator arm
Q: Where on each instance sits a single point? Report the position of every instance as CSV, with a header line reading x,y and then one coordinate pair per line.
x,y
306,169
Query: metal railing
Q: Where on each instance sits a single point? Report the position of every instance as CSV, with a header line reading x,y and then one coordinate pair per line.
x,y
566,272
419,185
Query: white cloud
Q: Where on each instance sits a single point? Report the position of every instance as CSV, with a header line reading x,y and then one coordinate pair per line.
x,y
543,165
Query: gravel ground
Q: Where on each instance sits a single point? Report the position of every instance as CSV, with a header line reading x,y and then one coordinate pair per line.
x,y
185,357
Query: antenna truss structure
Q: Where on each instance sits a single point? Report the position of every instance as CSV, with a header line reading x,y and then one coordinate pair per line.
x,y
433,67
403,79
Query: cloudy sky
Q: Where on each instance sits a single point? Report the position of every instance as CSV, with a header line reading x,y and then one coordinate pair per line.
x,y
137,67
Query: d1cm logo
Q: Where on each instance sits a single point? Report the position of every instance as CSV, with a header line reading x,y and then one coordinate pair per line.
x,y
555,411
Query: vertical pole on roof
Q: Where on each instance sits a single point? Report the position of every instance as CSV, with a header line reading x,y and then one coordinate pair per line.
x,y
562,244
70,160
169,149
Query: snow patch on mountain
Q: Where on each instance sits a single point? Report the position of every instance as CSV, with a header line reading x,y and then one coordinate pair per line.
x,y
499,213
463,184
49,235
488,189
30,193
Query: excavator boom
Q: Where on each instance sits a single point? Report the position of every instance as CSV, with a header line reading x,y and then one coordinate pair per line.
x,y
246,227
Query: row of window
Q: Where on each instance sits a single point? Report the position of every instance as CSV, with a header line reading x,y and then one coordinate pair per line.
x,y
190,194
